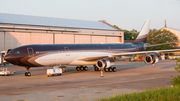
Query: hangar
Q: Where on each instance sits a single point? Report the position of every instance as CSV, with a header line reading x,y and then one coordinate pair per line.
x,y
173,55
175,31
17,30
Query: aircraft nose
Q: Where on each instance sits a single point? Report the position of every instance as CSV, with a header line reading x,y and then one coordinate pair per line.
x,y
7,58
12,59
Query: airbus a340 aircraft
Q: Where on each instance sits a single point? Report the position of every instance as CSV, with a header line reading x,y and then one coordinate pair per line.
x,y
80,55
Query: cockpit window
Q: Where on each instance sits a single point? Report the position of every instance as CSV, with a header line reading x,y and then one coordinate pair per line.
x,y
14,52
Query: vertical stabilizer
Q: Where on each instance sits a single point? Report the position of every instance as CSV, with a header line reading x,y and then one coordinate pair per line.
x,y
143,33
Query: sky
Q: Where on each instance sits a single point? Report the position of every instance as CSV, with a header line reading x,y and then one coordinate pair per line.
x,y
126,14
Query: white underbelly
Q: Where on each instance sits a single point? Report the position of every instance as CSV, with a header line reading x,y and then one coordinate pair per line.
x,y
66,59
56,59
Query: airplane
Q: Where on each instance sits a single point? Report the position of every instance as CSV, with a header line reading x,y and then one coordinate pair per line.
x,y
101,56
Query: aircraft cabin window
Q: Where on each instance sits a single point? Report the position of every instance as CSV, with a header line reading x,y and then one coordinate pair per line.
x,y
11,52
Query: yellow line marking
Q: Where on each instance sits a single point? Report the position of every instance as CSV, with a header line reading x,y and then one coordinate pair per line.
x,y
121,82
58,96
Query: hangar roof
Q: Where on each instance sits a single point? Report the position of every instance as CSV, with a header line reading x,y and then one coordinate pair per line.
x,y
171,28
53,22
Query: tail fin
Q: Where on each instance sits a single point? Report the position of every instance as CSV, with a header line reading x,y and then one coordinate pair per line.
x,y
143,33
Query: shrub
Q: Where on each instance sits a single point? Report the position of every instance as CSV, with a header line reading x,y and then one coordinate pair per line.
x,y
176,80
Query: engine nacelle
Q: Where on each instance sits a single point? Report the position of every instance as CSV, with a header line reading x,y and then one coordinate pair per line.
x,y
151,59
104,63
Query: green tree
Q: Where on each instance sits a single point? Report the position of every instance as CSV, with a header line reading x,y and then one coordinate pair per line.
x,y
161,36
134,34
127,35
117,27
152,30
131,35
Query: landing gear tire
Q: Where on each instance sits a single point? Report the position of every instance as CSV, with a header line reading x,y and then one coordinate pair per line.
x,y
82,68
77,68
110,69
85,68
114,69
27,74
106,69
96,69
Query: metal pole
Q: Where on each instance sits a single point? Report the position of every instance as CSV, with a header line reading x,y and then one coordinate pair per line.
x,y
30,37
1,58
106,39
74,38
53,38
91,39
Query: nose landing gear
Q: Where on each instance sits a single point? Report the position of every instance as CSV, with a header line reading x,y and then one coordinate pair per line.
x,y
27,73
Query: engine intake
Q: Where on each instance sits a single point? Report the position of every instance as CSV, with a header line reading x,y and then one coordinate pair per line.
x,y
104,63
151,59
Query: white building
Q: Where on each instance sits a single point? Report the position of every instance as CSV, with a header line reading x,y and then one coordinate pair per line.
x,y
17,30
173,55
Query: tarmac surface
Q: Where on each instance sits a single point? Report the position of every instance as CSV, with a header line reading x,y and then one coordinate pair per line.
x,y
85,85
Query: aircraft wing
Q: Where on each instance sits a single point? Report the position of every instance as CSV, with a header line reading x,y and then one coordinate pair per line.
x,y
96,57
158,44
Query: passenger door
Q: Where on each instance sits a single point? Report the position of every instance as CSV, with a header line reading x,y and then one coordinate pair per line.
x,y
30,52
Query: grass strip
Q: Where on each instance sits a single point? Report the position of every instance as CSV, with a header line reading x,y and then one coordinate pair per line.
x,y
158,94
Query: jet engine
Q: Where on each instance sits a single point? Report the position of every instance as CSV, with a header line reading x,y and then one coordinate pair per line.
x,y
104,63
151,59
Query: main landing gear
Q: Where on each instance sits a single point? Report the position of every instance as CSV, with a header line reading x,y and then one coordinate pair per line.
x,y
81,68
27,73
110,69
96,68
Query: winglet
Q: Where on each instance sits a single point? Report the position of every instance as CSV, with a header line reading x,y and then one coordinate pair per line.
x,y
143,33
